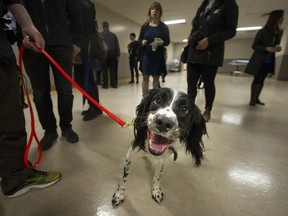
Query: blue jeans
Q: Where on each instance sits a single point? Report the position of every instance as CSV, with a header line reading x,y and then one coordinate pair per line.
x,y
37,67
83,75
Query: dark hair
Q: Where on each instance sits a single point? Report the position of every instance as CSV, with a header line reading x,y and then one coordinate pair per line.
x,y
105,24
272,23
157,6
133,35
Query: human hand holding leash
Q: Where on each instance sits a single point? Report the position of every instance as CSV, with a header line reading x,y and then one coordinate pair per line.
x,y
29,31
203,44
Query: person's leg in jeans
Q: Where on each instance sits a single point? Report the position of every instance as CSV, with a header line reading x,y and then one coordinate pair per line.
x,y
193,74
64,91
94,93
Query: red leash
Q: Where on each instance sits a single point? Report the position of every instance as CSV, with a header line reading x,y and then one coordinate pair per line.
x,y
33,133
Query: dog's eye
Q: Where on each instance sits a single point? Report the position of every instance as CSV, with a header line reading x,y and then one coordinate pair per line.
x,y
185,109
158,100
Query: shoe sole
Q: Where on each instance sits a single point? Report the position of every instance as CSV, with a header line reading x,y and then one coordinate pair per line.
x,y
25,190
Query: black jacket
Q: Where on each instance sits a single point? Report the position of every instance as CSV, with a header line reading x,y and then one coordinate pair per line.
x,y
89,25
6,52
261,41
218,25
59,21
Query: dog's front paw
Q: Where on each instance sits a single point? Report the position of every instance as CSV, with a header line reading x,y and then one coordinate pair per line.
x,y
157,195
117,199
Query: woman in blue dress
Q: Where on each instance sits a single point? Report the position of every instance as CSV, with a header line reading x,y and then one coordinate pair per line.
x,y
154,35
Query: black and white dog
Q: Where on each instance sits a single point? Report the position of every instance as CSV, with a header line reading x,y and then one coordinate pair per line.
x,y
164,117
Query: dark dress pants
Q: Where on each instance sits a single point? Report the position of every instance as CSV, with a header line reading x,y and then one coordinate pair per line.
x,y
133,64
37,67
208,72
12,131
110,66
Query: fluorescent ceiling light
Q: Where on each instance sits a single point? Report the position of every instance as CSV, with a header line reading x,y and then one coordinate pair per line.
x,y
185,40
171,22
253,28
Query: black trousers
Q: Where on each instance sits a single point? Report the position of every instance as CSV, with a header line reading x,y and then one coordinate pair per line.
x,y
133,64
262,74
110,66
12,131
12,168
208,72
37,67
83,75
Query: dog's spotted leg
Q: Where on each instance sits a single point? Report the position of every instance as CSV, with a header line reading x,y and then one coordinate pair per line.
x,y
157,193
118,196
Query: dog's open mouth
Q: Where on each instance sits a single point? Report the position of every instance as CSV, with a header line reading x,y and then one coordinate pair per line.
x,y
157,143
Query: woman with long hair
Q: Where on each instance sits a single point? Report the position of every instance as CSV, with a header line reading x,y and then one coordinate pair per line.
x,y
154,35
265,45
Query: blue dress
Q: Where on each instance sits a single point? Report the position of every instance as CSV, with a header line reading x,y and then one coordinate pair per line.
x,y
152,62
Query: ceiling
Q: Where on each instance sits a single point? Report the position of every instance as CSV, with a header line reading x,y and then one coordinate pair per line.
x,y
250,13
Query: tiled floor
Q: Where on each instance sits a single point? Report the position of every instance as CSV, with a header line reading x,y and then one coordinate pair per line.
x,y
245,172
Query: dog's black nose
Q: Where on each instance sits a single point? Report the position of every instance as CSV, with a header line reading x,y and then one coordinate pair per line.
x,y
163,124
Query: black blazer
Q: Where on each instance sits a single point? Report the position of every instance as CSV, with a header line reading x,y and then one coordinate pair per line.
x,y
218,25
261,41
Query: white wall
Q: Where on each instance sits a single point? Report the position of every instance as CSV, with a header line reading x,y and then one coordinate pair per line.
x,y
238,48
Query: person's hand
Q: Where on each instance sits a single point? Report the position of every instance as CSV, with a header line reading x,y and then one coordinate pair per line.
x,y
158,41
203,44
271,49
278,48
144,42
76,50
77,59
30,33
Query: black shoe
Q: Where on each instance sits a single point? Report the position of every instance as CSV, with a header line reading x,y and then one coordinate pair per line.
x,y
92,114
131,81
207,115
259,102
105,87
70,135
114,86
85,112
48,140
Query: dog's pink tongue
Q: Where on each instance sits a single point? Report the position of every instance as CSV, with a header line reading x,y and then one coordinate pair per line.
x,y
160,140
158,143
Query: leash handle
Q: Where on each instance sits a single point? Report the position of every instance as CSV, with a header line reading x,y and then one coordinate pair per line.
x,y
32,133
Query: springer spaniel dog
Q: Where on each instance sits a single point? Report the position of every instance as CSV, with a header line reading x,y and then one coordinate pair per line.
x,y
164,119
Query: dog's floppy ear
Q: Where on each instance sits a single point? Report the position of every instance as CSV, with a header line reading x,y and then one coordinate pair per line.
x,y
140,124
194,143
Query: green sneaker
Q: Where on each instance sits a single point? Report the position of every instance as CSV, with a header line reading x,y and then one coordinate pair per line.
x,y
38,179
